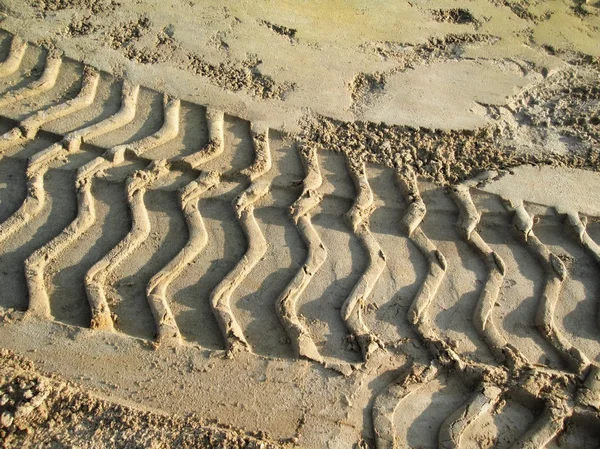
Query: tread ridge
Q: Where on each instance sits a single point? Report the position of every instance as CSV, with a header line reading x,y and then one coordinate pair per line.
x,y
555,273
37,165
136,185
545,428
257,246
43,84
36,264
579,226
483,318
286,306
156,290
358,219
387,402
27,129
417,314
455,425
442,354
14,58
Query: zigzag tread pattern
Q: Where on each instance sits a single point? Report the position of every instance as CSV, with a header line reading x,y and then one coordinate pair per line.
x,y
204,172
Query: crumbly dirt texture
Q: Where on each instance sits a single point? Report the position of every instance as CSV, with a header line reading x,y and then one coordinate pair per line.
x,y
41,411
369,225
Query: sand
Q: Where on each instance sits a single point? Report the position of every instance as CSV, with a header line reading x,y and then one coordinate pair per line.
x,y
314,225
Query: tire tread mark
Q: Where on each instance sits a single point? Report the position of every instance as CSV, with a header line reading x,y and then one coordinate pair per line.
x,y
483,318
38,164
555,272
27,129
417,313
136,184
36,264
286,306
358,219
418,375
156,291
257,246
43,84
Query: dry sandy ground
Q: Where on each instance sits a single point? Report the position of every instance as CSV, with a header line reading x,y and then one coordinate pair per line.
x,y
291,224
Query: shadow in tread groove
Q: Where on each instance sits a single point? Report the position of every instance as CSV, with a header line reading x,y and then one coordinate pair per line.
x,y
167,236
258,293
59,210
515,315
68,298
322,300
191,290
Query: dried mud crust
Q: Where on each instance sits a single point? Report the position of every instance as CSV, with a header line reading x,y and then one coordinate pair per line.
x,y
569,102
359,312
453,15
41,411
243,75
444,157
566,102
93,6
232,75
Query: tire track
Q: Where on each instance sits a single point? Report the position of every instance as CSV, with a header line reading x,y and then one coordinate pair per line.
x,y
562,395
386,403
257,246
417,314
28,128
418,375
545,428
86,215
15,55
358,219
483,318
156,291
442,355
43,84
556,273
454,426
286,306
492,381
39,163
136,185
579,227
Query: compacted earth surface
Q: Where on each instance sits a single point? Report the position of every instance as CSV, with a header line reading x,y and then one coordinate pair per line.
x,y
288,224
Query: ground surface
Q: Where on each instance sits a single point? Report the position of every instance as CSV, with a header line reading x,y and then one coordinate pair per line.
x,y
280,224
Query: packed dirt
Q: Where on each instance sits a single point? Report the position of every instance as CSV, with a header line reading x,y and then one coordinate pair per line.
x,y
369,224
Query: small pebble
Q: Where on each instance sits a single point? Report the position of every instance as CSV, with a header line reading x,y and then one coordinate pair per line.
x,y
6,419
